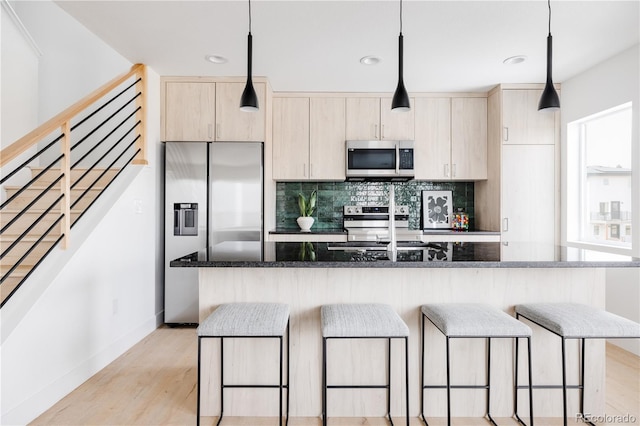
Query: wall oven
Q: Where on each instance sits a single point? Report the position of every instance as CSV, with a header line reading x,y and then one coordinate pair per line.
x,y
379,160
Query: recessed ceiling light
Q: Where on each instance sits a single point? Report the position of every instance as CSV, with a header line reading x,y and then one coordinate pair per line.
x,y
370,60
515,60
216,59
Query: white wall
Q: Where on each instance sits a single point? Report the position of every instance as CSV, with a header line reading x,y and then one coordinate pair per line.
x,y
19,82
608,84
107,295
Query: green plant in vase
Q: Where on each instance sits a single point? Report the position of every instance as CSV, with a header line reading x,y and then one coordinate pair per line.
x,y
307,206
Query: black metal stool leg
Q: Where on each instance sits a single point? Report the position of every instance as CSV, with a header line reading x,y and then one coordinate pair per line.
x,y
221,380
564,382
448,387
288,370
324,381
422,373
530,381
406,375
280,388
489,382
389,380
198,405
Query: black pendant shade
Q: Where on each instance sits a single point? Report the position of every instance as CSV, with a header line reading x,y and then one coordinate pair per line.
x,y
249,98
400,100
549,101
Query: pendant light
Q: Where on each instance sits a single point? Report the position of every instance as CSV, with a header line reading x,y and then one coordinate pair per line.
x,y
249,98
400,100
549,101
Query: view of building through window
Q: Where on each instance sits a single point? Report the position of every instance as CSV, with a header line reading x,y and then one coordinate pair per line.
x,y
603,146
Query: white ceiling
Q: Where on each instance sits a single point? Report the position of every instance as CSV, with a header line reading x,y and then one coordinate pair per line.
x,y
316,45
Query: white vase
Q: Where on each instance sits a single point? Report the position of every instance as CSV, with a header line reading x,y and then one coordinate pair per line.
x,y
305,223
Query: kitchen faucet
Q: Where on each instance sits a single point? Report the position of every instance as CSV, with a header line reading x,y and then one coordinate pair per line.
x,y
392,247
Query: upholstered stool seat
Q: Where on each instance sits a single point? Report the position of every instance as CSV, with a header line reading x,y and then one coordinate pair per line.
x,y
352,321
466,320
576,321
246,320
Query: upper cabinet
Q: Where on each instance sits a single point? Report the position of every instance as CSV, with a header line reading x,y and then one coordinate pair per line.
x,y
209,111
290,139
451,138
232,124
189,111
469,138
308,138
370,118
522,122
327,139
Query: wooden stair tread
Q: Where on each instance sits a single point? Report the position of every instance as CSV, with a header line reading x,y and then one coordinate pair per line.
x,y
43,187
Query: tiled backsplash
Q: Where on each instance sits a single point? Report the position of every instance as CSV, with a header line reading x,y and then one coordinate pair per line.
x,y
332,196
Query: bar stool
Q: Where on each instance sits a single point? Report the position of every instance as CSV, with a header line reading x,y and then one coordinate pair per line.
x,y
246,321
576,321
473,321
357,321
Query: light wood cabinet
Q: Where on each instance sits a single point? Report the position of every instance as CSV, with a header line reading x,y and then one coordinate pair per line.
x,y
232,124
308,138
189,111
363,119
528,202
327,138
520,198
451,138
432,151
522,122
372,119
290,138
396,125
468,138
210,111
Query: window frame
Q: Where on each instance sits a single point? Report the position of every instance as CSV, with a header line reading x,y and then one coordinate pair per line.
x,y
577,182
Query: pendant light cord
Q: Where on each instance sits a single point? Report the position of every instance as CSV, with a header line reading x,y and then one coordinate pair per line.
x,y
401,16
250,17
549,3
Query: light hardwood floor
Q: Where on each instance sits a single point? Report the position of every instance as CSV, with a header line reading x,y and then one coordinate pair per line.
x,y
154,383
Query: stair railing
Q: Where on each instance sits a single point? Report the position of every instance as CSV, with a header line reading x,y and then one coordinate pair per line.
x,y
103,132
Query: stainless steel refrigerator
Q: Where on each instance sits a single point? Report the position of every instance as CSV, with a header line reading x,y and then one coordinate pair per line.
x,y
214,206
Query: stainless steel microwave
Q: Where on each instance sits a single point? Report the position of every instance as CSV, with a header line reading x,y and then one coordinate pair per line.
x,y
379,160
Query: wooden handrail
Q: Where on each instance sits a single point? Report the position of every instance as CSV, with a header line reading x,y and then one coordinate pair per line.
x,y
35,136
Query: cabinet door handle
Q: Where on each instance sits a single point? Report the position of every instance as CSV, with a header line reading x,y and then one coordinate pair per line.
x,y
505,134
375,131
310,170
453,169
446,170
210,131
505,224
217,131
382,132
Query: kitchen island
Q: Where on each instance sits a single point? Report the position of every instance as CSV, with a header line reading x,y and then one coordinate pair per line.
x,y
308,275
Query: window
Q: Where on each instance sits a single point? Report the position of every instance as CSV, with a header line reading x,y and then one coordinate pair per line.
x,y
599,178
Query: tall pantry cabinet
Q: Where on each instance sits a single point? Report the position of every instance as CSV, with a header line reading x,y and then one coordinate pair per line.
x,y
520,197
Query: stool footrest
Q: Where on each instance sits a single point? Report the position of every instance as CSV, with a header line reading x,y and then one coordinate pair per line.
x,y
456,387
256,386
357,386
550,387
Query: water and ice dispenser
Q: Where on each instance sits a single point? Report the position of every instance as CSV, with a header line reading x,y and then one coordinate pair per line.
x,y
185,219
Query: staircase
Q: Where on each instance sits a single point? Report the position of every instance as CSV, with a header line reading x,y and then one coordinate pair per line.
x,y
35,218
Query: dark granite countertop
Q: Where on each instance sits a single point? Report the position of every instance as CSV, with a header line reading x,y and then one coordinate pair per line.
x,y
341,231
297,231
413,255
